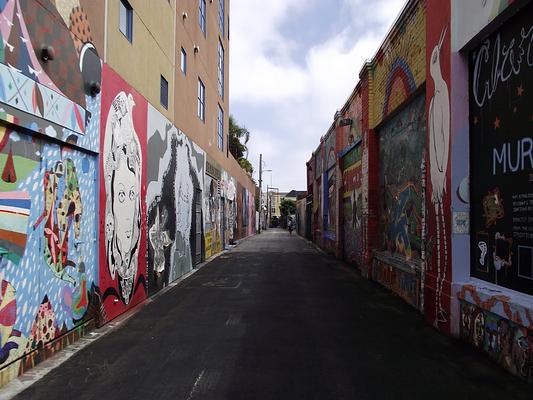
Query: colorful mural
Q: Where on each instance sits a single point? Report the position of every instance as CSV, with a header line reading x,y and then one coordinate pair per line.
x,y
502,160
48,212
48,241
352,206
404,284
506,342
353,132
59,99
401,150
330,205
250,209
175,169
212,210
400,64
123,213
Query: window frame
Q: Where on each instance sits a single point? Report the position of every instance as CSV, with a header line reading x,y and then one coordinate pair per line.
x,y
221,16
202,11
183,61
220,69
163,100
220,128
201,100
124,4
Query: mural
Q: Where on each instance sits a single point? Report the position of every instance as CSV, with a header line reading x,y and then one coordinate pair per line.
x,y
502,157
241,229
48,259
352,206
251,213
353,132
506,342
58,98
401,149
404,284
47,241
229,190
439,148
400,67
330,205
212,210
175,169
329,148
122,254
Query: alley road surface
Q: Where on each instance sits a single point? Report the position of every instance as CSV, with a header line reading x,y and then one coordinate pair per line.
x,y
276,319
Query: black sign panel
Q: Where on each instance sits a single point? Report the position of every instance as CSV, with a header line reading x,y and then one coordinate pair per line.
x,y
501,143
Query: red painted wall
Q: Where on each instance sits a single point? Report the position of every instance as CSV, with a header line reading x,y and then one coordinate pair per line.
x,y
122,194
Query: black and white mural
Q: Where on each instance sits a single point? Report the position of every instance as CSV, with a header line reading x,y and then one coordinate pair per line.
x,y
175,170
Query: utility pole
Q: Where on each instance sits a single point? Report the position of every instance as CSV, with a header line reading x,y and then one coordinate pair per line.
x,y
260,191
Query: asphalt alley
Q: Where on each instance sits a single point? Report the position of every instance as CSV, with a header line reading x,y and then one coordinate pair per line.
x,y
275,319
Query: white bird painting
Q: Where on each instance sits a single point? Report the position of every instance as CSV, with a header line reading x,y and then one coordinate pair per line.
x,y
439,146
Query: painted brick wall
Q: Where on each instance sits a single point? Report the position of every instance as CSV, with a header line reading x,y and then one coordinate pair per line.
x,y
399,67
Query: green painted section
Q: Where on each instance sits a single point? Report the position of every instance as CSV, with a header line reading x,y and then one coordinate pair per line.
x,y
23,167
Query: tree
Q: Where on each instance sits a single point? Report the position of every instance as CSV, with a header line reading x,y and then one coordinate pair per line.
x,y
286,207
246,165
238,139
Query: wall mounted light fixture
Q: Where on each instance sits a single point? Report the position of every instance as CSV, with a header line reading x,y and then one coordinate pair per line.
x,y
47,53
94,88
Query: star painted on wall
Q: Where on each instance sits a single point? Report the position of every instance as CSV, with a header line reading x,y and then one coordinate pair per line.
x,y
520,90
497,123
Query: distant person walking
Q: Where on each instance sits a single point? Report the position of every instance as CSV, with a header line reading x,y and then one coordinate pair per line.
x,y
290,225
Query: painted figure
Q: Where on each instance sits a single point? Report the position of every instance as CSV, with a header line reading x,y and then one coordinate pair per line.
x,y
184,192
59,218
439,145
159,239
122,174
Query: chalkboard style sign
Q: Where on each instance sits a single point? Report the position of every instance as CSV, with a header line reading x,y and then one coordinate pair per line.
x,y
501,143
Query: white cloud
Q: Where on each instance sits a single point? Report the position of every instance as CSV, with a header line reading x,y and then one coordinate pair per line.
x,y
291,104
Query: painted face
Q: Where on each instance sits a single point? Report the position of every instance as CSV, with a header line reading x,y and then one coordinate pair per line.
x,y
125,193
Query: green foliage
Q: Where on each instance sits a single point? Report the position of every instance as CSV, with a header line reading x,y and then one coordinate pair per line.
x,y
238,139
287,207
246,165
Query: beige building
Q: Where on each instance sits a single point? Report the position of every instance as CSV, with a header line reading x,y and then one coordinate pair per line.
x,y
186,44
146,50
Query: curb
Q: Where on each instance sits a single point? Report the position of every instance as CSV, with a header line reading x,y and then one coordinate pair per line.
x,y
24,381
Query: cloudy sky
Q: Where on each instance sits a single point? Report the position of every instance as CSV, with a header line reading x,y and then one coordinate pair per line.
x,y
293,63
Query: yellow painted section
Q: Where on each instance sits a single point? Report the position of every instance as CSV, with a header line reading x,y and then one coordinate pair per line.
x,y
151,52
407,46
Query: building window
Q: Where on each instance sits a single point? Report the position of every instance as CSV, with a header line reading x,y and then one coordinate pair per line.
x,y
220,128
183,61
163,96
220,69
221,16
126,19
201,100
201,15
